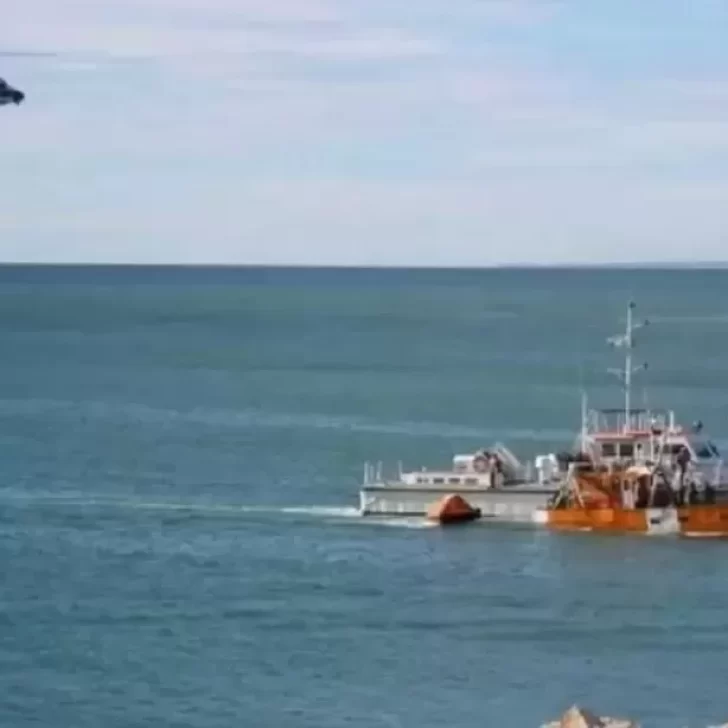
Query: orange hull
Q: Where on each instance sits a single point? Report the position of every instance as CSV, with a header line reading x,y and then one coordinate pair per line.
x,y
452,509
696,520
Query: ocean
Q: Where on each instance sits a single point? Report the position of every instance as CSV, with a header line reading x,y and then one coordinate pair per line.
x,y
181,453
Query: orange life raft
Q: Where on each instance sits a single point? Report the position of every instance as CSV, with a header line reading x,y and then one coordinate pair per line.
x,y
451,509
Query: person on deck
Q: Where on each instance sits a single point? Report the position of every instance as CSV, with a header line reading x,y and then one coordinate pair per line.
x,y
682,460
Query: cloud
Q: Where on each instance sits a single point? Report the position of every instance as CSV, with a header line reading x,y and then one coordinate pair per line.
x,y
305,28
367,131
129,40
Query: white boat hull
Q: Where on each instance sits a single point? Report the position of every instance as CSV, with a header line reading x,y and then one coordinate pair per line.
x,y
511,503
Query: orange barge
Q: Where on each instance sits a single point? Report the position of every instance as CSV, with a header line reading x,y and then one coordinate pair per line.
x,y
635,500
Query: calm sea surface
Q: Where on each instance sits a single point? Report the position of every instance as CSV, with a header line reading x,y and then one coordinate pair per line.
x,y
181,452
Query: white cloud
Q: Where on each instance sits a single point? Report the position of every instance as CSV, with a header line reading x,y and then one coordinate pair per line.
x,y
129,40
322,131
155,30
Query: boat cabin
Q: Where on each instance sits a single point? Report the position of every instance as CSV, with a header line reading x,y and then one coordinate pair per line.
x,y
645,437
436,478
485,468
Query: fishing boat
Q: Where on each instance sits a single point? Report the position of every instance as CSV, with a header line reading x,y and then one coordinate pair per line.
x,y
496,482
638,499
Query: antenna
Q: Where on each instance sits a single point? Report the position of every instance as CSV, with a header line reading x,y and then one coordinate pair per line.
x,y
626,341
584,410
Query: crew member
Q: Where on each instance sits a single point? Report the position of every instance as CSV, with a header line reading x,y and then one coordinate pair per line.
x,y
683,458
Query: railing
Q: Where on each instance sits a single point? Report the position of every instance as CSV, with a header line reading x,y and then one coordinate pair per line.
x,y
618,421
718,473
709,473
372,473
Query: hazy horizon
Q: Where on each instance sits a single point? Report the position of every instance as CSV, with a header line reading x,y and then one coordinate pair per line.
x,y
616,265
518,133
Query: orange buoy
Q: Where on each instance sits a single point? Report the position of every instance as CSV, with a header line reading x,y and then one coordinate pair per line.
x,y
452,509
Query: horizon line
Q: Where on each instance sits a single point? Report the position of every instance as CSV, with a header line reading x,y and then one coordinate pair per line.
x,y
619,265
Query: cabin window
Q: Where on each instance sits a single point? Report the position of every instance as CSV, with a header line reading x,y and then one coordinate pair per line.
x,y
626,450
438,480
453,480
421,480
609,449
471,481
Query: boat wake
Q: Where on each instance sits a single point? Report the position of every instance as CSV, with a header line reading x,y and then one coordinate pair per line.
x,y
323,511
352,516
410,523
332,514
76,500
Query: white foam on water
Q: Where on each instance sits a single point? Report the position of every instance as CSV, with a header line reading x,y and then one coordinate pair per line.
x,y
326,511
353,516
76,500
398,522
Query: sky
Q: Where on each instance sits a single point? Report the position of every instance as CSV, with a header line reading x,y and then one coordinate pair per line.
x,y
365,132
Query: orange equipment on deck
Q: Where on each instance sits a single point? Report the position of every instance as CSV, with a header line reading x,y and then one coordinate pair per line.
x,y
635,501
451,509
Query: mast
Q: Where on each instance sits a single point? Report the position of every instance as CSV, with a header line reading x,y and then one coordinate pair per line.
x,y
584,422
626,341
628,364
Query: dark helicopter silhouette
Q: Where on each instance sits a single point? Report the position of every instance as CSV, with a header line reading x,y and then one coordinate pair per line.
x,y
9,95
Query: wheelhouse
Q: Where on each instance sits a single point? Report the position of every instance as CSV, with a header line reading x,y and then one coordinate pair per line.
x,y
647,438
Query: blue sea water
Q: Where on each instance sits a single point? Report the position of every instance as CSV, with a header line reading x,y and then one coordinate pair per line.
x,y
181,452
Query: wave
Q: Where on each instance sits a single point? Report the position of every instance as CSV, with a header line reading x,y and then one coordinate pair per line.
x,y
254,418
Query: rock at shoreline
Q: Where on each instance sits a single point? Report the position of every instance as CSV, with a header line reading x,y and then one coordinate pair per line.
x,y
576,717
